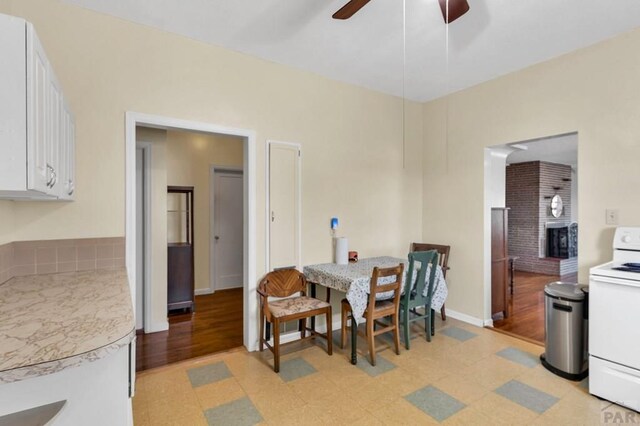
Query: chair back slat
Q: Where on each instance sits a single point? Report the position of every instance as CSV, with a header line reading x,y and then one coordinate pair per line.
x,y
414,292
375,288
283,283
443,252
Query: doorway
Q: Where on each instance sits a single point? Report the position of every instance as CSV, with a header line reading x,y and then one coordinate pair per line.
x,y
537,182
154,279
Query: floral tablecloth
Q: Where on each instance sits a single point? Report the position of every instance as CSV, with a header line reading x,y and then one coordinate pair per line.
x,y
354,278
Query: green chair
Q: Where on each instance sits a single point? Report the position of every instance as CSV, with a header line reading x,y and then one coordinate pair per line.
x,y
414,295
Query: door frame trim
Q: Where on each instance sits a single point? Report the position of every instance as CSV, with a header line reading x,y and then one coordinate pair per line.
x,y
147,153
250,302
213,169
267,257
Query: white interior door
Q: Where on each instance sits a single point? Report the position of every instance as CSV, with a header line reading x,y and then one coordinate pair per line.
x,y
228,230
284,205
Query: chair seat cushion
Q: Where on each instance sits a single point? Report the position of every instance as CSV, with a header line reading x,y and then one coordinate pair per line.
x,y
294,305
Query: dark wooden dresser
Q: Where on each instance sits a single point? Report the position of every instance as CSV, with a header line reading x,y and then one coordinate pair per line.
x,y
180,262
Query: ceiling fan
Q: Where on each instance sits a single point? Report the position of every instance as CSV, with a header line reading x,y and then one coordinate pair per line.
x,y
457,8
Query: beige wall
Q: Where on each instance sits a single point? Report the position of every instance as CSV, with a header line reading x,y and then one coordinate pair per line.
x,y
351,137
189,157
596,92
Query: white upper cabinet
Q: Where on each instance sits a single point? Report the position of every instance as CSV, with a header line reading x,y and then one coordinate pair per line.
x,y
37,129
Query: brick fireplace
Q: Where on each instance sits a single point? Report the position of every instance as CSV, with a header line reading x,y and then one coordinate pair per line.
x,y
529,189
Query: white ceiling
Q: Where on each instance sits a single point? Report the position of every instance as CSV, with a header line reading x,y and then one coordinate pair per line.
x,y
494,38
557,149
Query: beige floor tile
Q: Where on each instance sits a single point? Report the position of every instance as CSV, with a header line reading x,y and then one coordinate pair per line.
x,y
400,412
241,364
502,411
271,403
179,406
367,419
259,382
312,387
468,416
544,380
296,416
141,416
401,382
493,371
570,411
348,377
461,387
337,409
164,385
373,396
219,393
195,419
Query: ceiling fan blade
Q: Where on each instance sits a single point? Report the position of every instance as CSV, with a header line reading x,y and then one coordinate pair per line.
x,y
349,9
457,8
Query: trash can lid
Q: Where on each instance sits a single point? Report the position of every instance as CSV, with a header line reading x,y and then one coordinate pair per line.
x,y
564,290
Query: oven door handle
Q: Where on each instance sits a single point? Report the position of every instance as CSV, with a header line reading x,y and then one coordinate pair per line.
x,y
611,280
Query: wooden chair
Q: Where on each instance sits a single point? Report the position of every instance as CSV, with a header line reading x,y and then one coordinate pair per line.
x,y
378,309
414,296
283,284
443,251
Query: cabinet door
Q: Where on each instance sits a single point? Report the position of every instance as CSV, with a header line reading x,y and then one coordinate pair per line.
x,y
54,140
13,104
38,174
67,153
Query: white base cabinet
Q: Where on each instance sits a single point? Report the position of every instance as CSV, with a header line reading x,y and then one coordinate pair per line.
x,y
96,393
37,127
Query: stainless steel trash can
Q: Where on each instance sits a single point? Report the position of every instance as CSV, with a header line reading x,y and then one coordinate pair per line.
x,y
566,330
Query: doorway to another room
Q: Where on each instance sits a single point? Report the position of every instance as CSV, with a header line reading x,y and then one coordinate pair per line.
x,y
190,249
533,190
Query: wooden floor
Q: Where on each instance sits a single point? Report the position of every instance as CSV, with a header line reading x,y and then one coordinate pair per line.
x,y
527,305
216,325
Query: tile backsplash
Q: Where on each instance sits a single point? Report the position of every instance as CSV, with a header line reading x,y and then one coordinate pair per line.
x,y
49,256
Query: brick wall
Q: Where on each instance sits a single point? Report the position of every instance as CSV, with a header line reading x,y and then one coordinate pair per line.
x,y
529,188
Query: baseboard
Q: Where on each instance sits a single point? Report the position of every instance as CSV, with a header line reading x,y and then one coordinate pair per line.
x,y
202,291
465,318
156,327
488,323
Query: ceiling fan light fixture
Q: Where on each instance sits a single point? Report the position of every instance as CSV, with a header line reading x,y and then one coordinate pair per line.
x,y
457,8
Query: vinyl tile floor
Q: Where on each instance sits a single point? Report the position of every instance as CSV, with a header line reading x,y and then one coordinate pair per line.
x,y
465,375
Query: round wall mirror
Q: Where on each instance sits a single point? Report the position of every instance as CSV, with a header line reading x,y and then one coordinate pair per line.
x,y
556,206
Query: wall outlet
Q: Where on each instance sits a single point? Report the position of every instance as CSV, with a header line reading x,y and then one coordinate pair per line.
x,y
611,216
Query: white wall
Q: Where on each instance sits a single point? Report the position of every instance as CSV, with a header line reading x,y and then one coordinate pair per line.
x,y
594,91
352,138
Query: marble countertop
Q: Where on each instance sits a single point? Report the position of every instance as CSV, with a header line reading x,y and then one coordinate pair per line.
x,y
55,321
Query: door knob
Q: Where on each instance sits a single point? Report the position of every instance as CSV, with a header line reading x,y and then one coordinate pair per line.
x,y
216,238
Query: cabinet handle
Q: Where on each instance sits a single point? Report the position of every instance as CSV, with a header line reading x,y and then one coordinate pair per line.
x,y
54,177
49,175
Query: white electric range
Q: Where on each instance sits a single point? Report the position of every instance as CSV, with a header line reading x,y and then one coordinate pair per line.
x,y
614,323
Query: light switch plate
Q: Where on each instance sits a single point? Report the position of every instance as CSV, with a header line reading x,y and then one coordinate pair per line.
x,y
611,216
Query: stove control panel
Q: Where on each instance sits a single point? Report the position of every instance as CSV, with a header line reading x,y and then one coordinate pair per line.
x,y
627,238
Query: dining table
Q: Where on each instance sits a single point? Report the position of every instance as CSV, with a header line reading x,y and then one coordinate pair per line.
x,y
354,280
